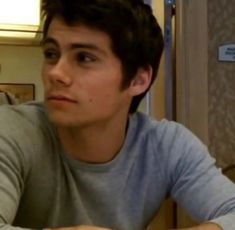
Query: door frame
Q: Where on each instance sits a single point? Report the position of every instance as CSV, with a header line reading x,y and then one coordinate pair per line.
x,y
191,75
192,66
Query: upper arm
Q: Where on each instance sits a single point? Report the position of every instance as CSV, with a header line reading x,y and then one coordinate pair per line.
x,y
196,183
11,179
13,169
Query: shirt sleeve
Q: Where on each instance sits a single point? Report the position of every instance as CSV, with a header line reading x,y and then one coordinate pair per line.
x,y
12,171
11,179
197,184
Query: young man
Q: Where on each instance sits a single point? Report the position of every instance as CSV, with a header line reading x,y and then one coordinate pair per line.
x,y
85,159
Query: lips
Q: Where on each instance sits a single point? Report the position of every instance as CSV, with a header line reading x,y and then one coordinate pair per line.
x,y
60,98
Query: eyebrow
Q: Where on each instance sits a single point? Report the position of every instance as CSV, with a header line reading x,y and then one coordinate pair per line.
x,y
50,40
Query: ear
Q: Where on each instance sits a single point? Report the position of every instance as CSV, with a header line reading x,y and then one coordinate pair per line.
x,y
141,81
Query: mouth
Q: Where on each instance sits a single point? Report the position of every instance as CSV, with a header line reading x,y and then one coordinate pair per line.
x,y
60,99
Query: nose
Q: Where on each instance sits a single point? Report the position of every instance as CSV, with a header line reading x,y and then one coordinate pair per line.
x,y
59,73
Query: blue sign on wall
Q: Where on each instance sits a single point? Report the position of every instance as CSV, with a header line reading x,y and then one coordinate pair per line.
x,y
227,53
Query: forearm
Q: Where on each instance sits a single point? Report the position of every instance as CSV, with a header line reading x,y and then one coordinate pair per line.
x,y
207,226
80,227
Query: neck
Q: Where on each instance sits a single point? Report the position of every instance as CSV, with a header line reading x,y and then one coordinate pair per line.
x,y
95,143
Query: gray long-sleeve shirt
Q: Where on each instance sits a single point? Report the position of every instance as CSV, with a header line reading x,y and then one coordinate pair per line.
x,y
40,186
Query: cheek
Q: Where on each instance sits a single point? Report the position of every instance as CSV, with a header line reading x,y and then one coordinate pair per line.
x,y
45,82
43,74
99,98
103,100
44,77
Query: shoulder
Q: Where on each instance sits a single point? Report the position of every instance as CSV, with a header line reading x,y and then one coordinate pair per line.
x,y
24,129
21,110
166,139
22,117
161,131
26,136
170,147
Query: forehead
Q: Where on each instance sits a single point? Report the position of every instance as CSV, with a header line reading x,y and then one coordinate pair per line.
x,y
60,31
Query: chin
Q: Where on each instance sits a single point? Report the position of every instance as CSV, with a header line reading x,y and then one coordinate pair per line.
x,y
64,121
59,118
56,120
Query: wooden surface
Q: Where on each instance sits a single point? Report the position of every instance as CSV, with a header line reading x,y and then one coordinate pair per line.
x,y
164,219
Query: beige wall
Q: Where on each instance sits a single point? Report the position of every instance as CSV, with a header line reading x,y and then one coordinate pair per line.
x,y
21,64
158,91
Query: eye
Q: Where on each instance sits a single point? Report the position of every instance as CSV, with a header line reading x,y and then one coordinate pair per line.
x,y
51,55
84,58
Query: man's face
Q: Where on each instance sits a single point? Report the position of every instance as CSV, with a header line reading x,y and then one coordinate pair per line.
x,y
81,76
